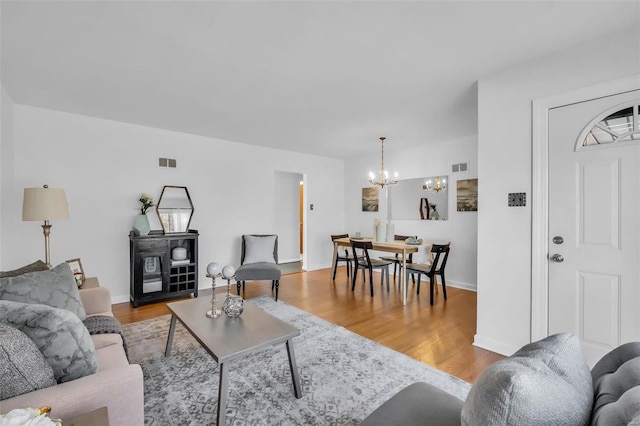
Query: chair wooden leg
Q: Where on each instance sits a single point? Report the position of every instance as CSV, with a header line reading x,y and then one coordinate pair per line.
x,y
353,279
431,286
335,268
371,280
444,286
348,268
386,273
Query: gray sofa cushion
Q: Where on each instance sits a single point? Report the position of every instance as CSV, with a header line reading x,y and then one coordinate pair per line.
x,y
54,287
59,335
545,383
417,404
23,368
616,381
38,265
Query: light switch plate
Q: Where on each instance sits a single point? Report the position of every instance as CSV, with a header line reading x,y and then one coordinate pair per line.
x,y
517,199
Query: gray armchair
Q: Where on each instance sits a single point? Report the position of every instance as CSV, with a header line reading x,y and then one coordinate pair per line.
x,y
259,261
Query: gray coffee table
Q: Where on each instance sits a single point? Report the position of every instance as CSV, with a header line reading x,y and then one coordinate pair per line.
x,y
229,338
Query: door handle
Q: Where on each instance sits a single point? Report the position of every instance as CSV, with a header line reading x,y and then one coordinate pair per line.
x,y
557,258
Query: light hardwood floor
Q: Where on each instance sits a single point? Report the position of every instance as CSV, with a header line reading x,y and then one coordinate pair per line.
x,y
439,335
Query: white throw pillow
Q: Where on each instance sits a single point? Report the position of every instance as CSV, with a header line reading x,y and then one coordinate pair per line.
x,y
259,249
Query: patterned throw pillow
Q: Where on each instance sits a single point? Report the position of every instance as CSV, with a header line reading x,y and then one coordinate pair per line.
x,y
59,335
38,265
23,368
54,287
547,382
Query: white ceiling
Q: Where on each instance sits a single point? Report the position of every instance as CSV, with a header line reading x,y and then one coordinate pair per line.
x,y
320,77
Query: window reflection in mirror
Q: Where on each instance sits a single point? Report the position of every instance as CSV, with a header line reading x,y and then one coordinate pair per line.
x,y
420,198
175,209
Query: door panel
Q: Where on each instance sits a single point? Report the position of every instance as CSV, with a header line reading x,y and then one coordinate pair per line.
x,y
599,203
594,193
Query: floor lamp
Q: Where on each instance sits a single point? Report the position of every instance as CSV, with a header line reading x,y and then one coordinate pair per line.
x,y
45,204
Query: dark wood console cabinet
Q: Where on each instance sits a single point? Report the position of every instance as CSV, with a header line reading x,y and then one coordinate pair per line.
x,y
154,275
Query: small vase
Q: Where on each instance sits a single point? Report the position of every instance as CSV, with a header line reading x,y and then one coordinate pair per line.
x,y
390,232
379,232
141,224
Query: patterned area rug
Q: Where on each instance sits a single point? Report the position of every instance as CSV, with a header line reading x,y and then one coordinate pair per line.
x,y
344,376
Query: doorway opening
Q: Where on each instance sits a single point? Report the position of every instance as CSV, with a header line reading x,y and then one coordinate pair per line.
x,y
290,218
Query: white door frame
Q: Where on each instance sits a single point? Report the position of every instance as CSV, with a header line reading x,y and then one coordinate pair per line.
x,y
540,195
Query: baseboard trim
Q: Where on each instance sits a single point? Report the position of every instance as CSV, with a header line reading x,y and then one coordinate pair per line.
x,y
120,299
494,345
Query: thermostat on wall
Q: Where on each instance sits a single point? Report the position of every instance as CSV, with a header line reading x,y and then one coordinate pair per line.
x,y
517,199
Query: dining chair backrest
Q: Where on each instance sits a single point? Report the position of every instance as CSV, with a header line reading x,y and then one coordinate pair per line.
x,y
403,237
365,246
439,254
338,236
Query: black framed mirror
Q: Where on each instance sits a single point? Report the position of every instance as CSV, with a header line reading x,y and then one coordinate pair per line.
x,y
175,209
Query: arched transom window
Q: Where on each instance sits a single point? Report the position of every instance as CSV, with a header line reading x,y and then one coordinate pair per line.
x,y
623,125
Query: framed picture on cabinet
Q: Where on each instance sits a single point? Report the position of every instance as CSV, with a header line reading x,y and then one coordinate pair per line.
x,y
78,272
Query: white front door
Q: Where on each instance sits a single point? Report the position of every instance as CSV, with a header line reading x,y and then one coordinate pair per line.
x,y
594,232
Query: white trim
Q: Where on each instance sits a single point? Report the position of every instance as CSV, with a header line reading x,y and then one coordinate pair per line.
x,y
123,298
539,196
494,345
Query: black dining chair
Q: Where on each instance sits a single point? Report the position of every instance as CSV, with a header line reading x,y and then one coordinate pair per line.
x,y
365,262
343,256
440,254
397,259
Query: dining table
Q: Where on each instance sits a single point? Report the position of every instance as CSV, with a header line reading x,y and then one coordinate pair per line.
x,y
396,246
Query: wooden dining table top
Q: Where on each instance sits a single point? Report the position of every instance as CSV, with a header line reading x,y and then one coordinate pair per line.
x,y
396,246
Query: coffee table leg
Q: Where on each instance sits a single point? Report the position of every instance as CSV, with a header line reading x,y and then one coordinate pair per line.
x,y
297,390
172,329
222,394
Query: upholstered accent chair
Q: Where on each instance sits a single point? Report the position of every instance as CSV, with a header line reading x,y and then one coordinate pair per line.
x,y
259,261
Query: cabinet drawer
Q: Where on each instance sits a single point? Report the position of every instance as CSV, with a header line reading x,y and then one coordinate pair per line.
x,y
150,244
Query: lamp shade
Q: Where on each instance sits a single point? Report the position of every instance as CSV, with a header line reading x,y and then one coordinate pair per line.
x,y
44,204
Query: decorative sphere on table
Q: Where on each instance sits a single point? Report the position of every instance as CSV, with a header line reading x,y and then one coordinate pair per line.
x,y
233,306
213,269
228,271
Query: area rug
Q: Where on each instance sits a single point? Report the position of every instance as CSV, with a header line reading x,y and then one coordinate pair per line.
x,y
344,376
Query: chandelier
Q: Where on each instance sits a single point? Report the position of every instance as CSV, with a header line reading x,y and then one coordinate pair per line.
x,y
440,185
383,178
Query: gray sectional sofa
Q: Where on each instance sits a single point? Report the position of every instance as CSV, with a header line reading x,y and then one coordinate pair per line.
x,y
545,383
49,358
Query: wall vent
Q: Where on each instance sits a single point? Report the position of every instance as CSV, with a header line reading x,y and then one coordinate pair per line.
x,y
460,167
167,162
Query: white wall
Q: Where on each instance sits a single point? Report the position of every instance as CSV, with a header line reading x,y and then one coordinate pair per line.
x,y
104,166
504,164
6,153
431,159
